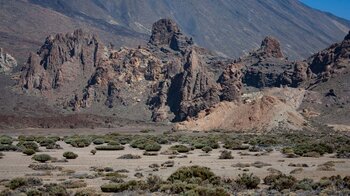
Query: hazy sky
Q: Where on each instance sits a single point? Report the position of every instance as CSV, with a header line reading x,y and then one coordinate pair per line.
x,y
339,8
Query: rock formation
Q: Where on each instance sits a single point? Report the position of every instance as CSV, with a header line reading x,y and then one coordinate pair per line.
x,y
332,60
166,32
270,48
7,62
170,77
62,61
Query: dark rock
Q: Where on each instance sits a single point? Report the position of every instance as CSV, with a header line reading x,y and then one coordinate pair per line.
x,y
166,32
231,83
270,47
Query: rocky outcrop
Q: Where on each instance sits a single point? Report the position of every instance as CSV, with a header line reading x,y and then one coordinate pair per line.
x,y
7,62
170,78
197,88
165,32
269,48
231,83
62,60
267,67
332,60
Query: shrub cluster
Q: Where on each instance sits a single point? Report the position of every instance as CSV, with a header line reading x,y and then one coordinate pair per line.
x,y
70,155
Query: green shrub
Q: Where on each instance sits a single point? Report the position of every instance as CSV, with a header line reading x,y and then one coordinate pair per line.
x,y
177,187
17,182
99,141
74,184
55,189
8,147
200,190
28,151
140,143
180,148
226,155
131,185
93,151
154,183
207,149
189,174
153,147
70,155
42,158
78,141
304,148
34,192
28,145
129,156
109,147
249,181
280,182
6,140
305,184
46,142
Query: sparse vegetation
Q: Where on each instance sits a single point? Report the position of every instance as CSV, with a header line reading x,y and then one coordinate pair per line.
x,y
29,151
248,181
225,154
42,158
70,155
110,147
180,148
129,156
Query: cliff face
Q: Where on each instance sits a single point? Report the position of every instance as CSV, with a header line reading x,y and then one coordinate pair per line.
x,y
61,61
169,77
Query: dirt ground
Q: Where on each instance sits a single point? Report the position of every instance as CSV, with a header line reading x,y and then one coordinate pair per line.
x,y
15,164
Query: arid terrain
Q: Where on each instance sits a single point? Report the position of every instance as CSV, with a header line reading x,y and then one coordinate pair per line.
x,y
164,97
262,155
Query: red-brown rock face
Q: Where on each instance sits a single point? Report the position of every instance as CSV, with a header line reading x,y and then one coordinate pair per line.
x,y
270,47
169,78
61,61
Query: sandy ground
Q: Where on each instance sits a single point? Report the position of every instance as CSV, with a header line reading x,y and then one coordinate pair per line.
x,y
15,164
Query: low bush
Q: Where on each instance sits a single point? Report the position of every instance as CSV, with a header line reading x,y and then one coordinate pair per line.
x,y
180,148
191,174
55,189
248,181
201,190
6,140
120,187
226,155
28,151
280,182
110,147
17,182
152,147
207,149
70,155
5,147
74,184
129,156
42,158
28,145
78,141
98,141
93,151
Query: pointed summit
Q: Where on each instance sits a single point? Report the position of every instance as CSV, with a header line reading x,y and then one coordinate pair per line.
x,y
271,47
165,32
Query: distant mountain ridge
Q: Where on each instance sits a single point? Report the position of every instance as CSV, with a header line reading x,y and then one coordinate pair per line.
x,y
229,27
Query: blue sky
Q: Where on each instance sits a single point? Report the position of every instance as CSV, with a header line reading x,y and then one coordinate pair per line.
x,y
339,8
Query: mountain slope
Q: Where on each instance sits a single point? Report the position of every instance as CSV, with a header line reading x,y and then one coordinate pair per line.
x,y
226,26
23,26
